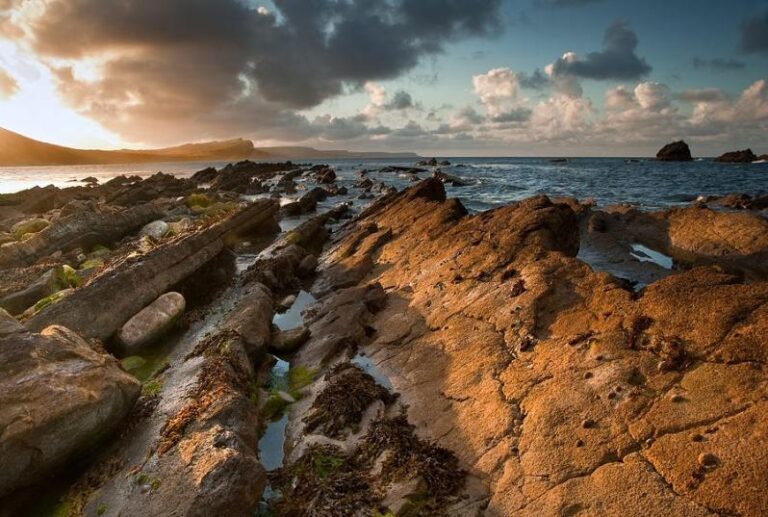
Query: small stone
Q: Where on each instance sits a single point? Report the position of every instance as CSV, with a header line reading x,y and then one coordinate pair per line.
x,y
155,229
677,398
697,438
579,443
707,461
589,375
611,395
649,442
588,423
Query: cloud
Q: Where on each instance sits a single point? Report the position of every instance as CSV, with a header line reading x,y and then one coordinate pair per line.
x,y
402,100
617,60
535,81
198,64
8,85
754,33
718,64
566,3
702,95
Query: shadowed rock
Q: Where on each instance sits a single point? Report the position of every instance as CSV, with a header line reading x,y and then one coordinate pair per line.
x,y
58,399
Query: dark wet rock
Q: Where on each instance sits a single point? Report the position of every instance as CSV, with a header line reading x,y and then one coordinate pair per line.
x,y
52,281
407,170
288,341
9,324
251,319
82,229
307,266
451,179
206,175
90,180
151,323
326,175
157,186
745,156
59,399
307,203
558,160
365,184
103,305
675,152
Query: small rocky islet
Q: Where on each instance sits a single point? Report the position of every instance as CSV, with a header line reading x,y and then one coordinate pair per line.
x,y
548,357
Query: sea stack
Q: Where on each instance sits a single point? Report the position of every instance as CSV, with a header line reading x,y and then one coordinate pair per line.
x,y
745,156
675,152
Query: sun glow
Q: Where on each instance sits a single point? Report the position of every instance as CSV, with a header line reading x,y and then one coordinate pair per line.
x,y
36,109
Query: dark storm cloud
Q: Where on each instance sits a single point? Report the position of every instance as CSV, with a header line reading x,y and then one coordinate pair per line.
x,y
195,61
754,33
400,101
565,3
535,81
718,64
617,60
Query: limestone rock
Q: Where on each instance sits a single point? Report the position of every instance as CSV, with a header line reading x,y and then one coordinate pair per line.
x,y
151,323
155,229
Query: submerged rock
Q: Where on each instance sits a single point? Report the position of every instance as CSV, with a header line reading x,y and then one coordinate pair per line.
x,y
675,152
151,323
58,399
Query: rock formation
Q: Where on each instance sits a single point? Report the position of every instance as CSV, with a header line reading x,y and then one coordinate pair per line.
x,y
745,156
675,152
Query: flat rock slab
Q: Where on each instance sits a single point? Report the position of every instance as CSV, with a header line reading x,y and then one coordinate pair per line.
x,y
152,322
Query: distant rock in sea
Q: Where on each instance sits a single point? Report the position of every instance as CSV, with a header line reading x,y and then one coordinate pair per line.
x,y
675,152
745,156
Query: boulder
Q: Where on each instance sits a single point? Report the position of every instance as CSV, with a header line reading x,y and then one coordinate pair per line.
x,y
50,282
745,156
58,399
450,178
288,341
675,152
151,323
79,230
155,229
326,175
19,230
9,324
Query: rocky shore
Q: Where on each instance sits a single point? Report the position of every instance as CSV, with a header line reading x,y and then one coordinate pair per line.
x,y
196,347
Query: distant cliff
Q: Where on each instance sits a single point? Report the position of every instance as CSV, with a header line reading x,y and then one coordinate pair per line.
x,y
18,150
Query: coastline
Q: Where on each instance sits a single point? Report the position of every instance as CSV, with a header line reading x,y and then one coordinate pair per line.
x,y
546,356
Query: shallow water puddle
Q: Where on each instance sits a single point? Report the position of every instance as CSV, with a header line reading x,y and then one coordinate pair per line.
x,y
365,363
292,318
645,254
272,442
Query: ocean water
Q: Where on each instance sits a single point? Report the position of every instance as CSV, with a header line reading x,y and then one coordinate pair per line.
x,y
495,181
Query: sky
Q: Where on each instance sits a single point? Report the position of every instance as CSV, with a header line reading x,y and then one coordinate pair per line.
x,y
438,77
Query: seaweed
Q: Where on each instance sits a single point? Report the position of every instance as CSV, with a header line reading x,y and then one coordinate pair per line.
x,y
342,403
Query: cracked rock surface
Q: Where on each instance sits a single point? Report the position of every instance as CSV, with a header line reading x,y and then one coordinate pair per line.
x,y
558,387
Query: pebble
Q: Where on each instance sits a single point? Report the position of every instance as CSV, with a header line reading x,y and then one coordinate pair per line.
x,y
588,423
589,375
697,438
677,398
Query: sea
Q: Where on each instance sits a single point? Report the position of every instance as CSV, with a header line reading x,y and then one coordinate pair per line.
x,y
647,184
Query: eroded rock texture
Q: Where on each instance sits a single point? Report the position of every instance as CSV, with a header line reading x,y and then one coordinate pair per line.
x,y
558,388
